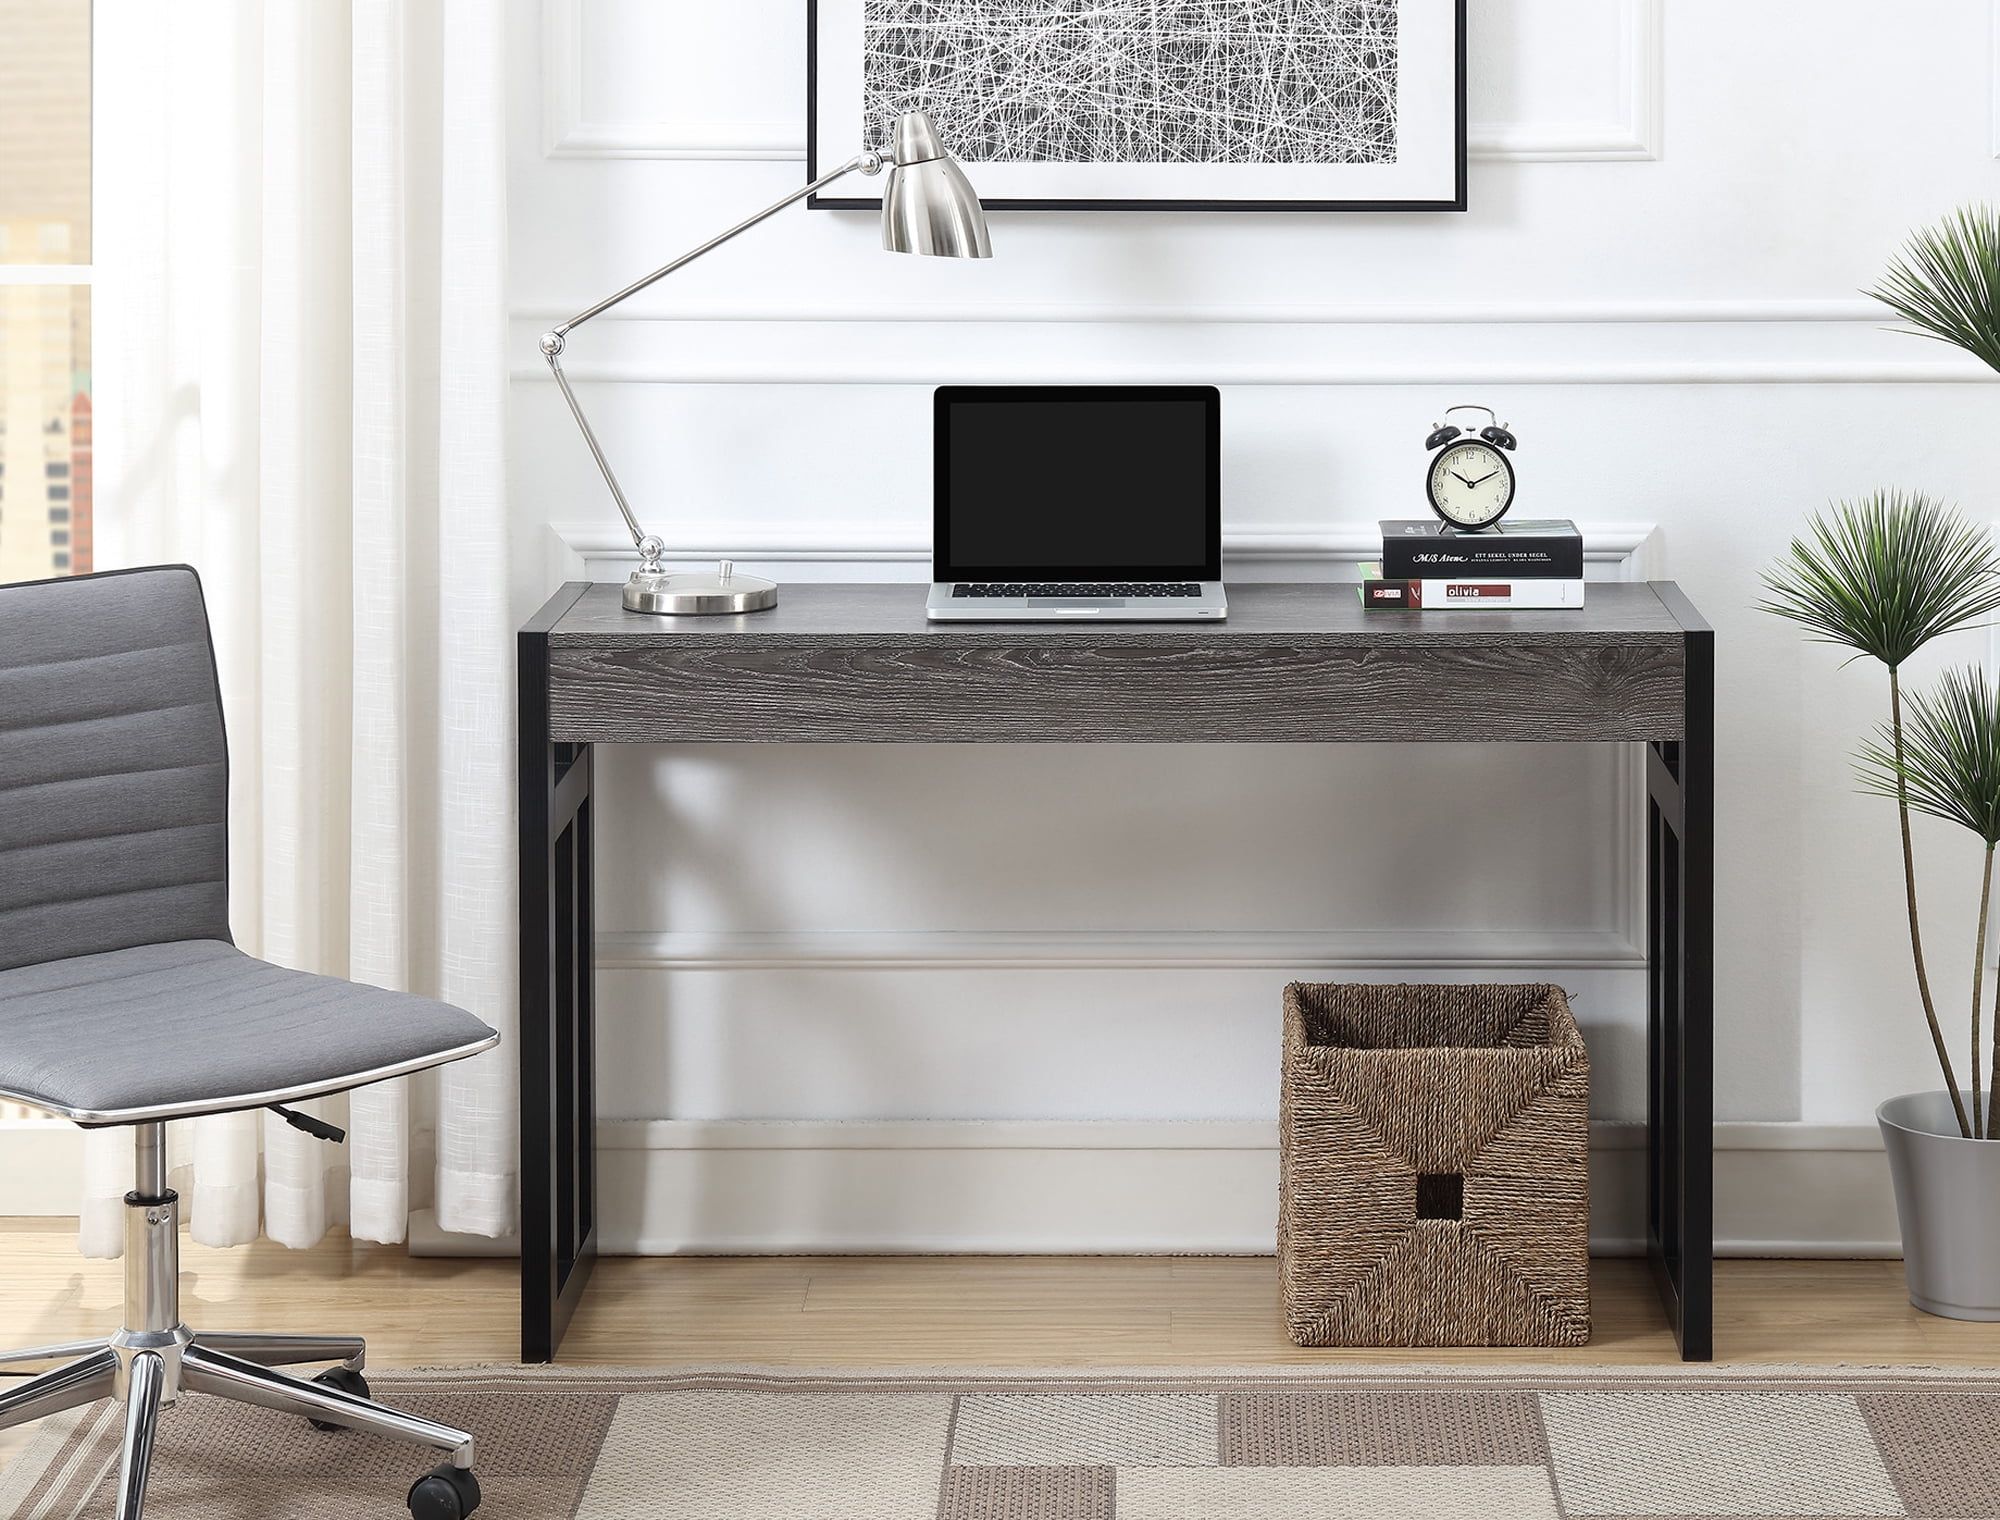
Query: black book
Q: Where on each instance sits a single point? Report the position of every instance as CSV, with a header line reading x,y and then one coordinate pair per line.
x,y
1426,550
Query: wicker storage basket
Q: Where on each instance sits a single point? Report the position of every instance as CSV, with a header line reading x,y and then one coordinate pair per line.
x,y
1434,1152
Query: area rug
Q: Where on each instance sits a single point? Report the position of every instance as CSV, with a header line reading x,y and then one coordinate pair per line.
x,y
1291,1444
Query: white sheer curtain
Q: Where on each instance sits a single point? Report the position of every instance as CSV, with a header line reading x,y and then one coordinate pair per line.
x,y
301,390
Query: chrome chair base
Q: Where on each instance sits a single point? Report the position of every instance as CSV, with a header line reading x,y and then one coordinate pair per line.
x,y
155,1358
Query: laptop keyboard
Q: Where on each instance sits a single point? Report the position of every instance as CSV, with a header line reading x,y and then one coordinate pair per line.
x,y
1076,588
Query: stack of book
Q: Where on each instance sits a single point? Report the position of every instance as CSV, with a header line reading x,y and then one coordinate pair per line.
x,y
1514,564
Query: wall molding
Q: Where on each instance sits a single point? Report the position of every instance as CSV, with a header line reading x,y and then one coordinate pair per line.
x,y
1634,134
1086,950
604,548
696,140
929,370
1608,312
1751,341
568,132
1993,47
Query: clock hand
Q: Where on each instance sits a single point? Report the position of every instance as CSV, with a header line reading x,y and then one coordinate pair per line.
x,y
1462,480
1481,480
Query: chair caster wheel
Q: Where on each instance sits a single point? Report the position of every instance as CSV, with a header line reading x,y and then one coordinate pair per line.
x,y
444,1493
341,1380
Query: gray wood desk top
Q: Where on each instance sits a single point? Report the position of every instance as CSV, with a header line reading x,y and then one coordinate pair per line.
x,y
1617,612
859,663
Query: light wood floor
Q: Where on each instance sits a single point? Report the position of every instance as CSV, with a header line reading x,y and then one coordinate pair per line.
x,y
829,1311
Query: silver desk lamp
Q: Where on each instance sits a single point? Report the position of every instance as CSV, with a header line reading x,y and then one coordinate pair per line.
x,y
928,206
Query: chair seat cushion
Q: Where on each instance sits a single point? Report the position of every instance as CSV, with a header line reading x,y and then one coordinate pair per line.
x,y
197,1026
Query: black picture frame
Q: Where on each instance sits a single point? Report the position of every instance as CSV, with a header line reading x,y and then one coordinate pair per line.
x,y
1456,202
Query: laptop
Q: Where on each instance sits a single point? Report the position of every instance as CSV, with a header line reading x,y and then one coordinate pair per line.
x,y
1088,502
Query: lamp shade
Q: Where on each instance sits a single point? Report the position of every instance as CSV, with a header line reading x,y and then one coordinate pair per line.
x,y
929,206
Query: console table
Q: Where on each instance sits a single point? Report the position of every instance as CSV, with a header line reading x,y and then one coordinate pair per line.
x,y
1304,663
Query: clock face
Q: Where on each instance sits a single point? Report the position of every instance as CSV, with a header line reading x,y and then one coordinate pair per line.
x,y
1471,484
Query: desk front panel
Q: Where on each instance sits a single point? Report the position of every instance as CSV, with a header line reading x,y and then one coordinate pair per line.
x,y
994,689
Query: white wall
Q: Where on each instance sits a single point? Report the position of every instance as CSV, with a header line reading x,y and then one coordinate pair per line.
x,y
1674,203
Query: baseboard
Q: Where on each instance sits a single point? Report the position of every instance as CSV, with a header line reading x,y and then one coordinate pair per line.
x,y
672,1187
1294,951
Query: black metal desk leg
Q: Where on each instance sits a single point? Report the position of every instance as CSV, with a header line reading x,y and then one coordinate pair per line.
x,y
1680,1040
558,1098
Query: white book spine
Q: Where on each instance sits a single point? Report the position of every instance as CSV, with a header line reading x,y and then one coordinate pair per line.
x,y
1378,590
1482,593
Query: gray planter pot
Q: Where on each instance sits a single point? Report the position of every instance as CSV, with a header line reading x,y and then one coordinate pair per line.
x,y
1948,1202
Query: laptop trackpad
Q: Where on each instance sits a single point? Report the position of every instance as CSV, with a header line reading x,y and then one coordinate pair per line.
x,y
1060,602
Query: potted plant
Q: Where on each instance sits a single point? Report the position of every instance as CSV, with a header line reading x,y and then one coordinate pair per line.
x,y
1884,576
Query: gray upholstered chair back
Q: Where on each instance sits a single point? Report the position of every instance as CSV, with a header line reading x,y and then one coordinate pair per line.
x,y
114,773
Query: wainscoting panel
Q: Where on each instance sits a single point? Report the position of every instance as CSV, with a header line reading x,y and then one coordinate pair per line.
x,y
719,55
1515,108
1583,85
1057,1039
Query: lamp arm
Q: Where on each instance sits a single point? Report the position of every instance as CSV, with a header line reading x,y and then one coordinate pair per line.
x,y
649,545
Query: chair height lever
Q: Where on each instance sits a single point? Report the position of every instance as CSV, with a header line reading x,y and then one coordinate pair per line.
x,y
319,1129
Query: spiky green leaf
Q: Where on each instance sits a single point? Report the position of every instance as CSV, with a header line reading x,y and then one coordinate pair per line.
x,y
1951,754
1946,284
1885,575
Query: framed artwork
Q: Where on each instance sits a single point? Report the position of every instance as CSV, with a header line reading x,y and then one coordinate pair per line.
x,y
1154,105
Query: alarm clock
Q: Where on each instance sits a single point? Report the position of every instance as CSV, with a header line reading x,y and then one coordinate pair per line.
x,y
1470,479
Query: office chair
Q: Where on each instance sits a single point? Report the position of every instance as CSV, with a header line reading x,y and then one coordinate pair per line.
x,y
124,1002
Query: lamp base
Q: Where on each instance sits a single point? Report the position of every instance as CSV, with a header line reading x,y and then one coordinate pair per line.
x,y
699,593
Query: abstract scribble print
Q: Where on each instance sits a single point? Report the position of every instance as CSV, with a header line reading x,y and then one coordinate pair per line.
x,y
1139,81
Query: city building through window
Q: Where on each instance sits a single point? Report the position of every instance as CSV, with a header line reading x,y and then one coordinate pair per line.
x,y
45,277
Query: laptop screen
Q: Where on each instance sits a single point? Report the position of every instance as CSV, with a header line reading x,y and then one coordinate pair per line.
x,y
1078,483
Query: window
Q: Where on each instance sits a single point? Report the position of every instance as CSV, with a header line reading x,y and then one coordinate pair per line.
x,y
44,294
45,256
